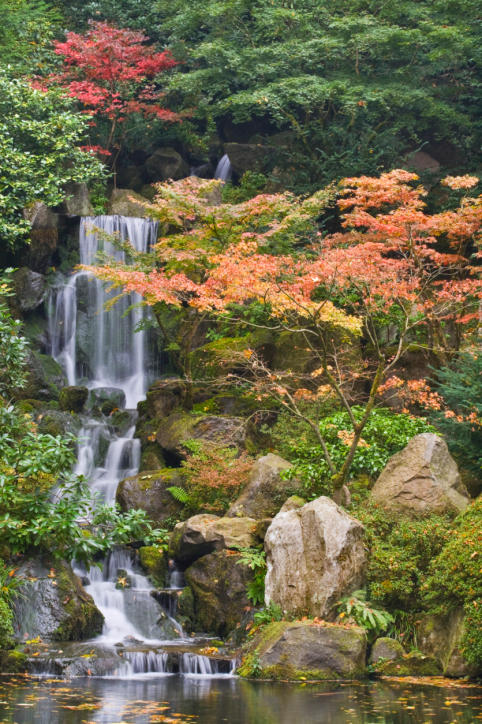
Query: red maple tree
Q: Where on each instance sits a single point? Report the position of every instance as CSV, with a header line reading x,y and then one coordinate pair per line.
x,y
112,72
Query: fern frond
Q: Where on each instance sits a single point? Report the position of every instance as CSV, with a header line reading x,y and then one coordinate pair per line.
x,y
179,494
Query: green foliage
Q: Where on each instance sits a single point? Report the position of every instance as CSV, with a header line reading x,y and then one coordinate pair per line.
x,y
13,347
357,84
455,578
461,390
270,613
6,629
250,185
9,584
256,560
25,33
385,434
374,620
251,667
40,135
399,555
179,494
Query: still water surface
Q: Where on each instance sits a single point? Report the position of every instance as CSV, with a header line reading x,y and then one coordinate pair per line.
x,y
183,700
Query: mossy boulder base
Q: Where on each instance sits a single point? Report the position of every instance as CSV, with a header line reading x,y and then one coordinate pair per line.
x,y
308,650
421,479
315,555
73,399
439,636
149,491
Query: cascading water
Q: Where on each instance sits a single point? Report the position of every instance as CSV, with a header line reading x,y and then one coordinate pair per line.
x,y
102,350
224,170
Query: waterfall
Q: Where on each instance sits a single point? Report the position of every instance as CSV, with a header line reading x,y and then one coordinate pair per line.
x,y
224,170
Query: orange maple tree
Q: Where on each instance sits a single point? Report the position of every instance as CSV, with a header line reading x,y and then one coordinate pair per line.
x,y
385,268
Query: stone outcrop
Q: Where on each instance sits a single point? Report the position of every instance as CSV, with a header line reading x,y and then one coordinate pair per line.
x,y
218,586
148,491
155,564
166,163
121,203
315,555
29,289
99,395
44,378
414,664
160,402
303,650
203,534
439,636
248,157
54,605
421,479
43,235
263,495
181,426
73,398
77,200
386,649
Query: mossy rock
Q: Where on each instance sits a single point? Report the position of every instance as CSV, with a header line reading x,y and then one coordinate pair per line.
x,y
211,361
148,490
152,458
73,398
297,650
387,650
155,564
44,378
290,354
13,662
179,427
414,664
185,610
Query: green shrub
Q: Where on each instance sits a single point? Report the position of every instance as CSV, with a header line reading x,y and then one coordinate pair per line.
x,y
256,560
374,620
250,185
385,434
6,630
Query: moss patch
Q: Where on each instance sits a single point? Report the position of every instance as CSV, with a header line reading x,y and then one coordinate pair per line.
x,y
414,664
13,662
154,562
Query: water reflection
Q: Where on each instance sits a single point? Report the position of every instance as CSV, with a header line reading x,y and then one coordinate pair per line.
x,y
176,699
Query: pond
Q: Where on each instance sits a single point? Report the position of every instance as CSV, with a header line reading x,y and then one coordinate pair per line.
x,y
183,700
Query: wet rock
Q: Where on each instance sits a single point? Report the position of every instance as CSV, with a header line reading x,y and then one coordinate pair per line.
x,y
77,200
248,157
44,378
54,605
99,395
264,492
73,398
166,163
414,664
439,636
148,491
300,650
315,555
121,202
421,479
55,422
155,564
387,649
218,585
29,289
203,534
181,426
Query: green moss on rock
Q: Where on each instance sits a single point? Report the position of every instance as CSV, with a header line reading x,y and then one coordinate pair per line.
x,y
13,662
155,564
414,664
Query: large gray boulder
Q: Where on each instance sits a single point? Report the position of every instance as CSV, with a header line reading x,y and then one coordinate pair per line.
x,y
53,604
315,555
40,216
203,534
386,649
77,200
148,491
166,163
265,491
302,649
124,203
421,479
179,427
218,584
29,289
439,636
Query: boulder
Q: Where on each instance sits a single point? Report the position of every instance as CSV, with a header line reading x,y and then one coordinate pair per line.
x,y
421,479
155,564
160,402
265,490
422,161
293,503
439,636
44,378
203,534
29,289
218,586
99,395
54,605
315,555
43,235
148,491
248,157
307,650
414,664
121,203
181,426
40,216
77,200
166,163
73,398
55,422
386,649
